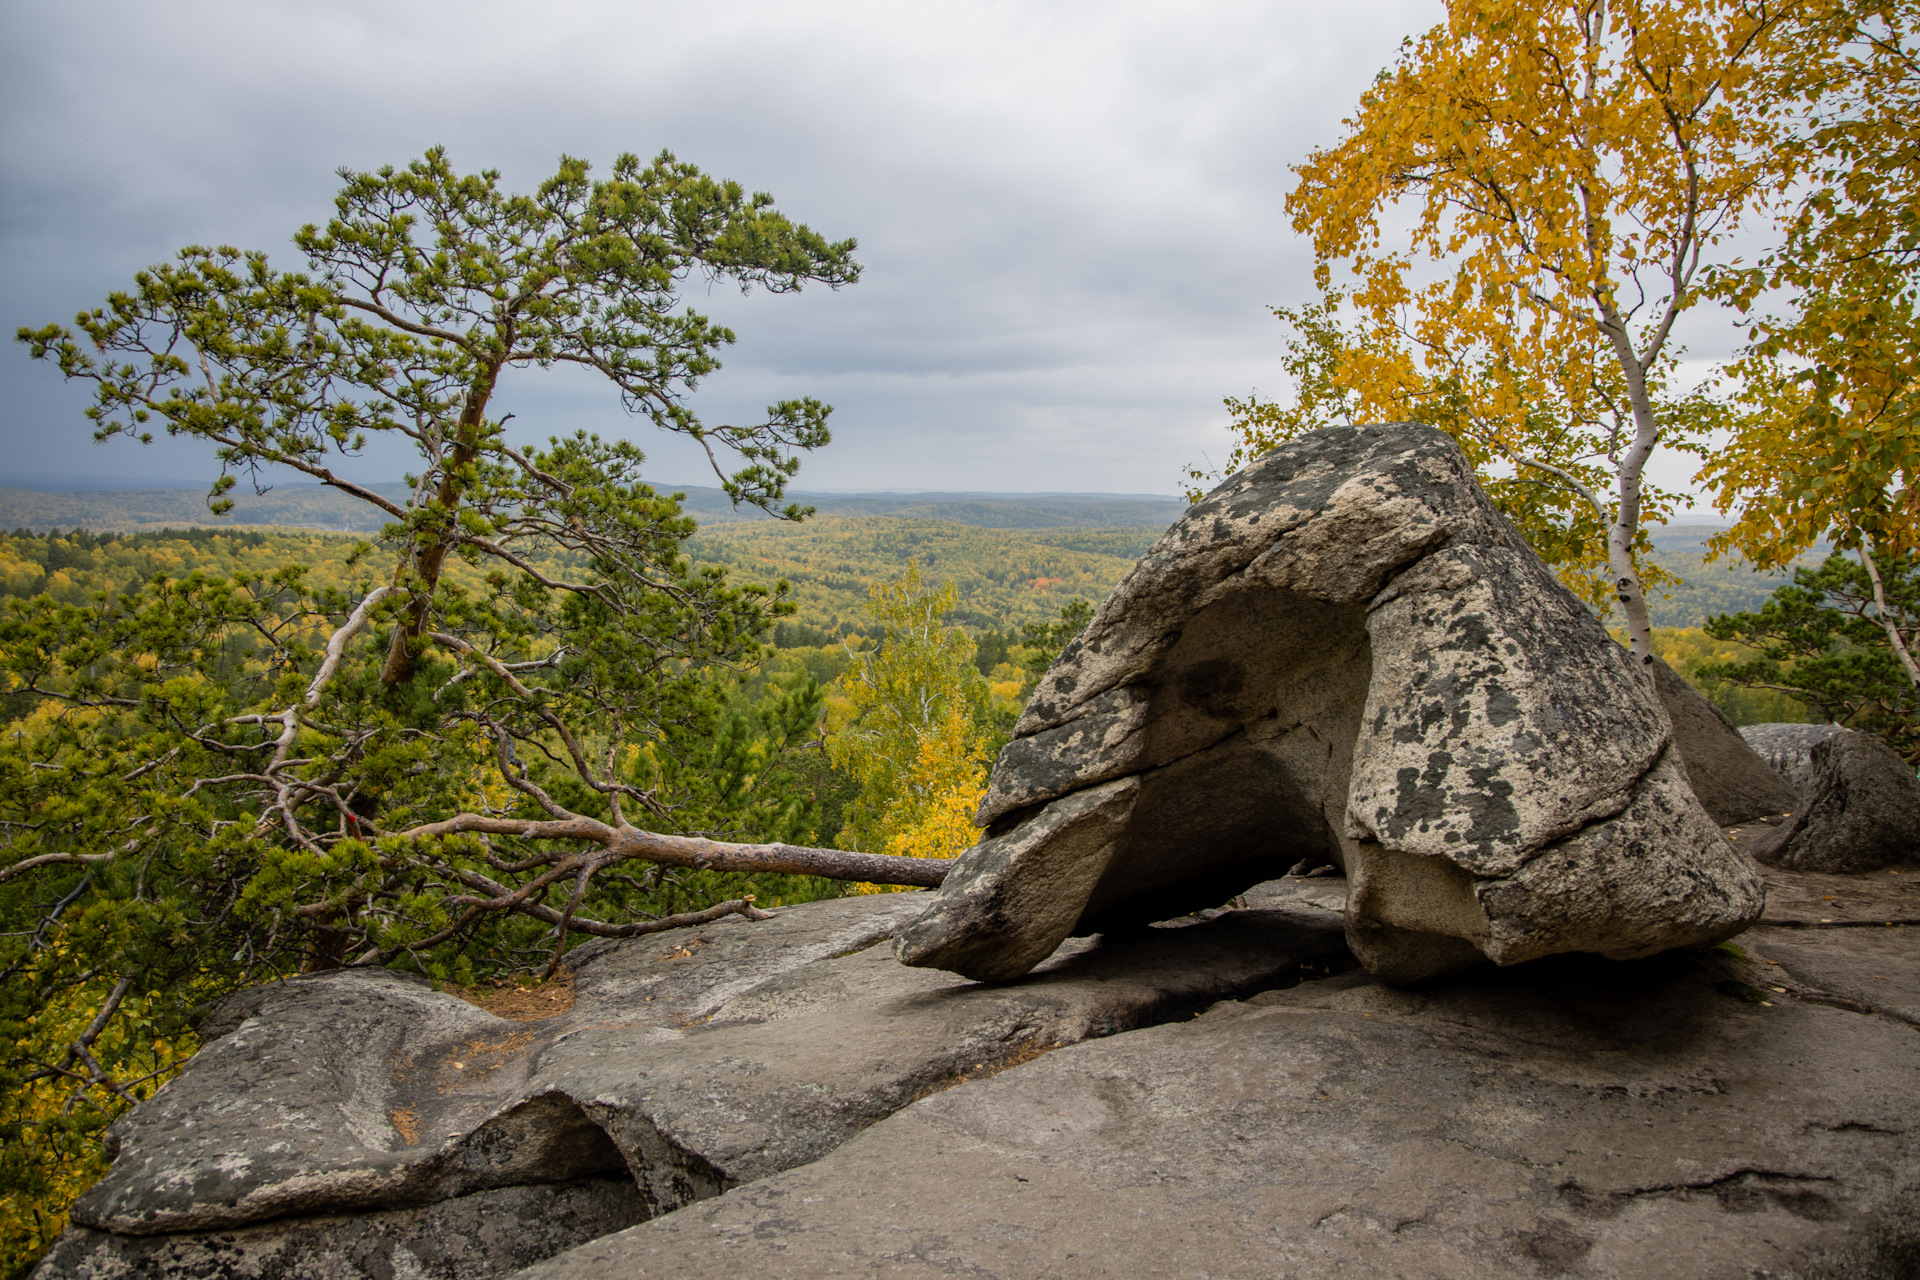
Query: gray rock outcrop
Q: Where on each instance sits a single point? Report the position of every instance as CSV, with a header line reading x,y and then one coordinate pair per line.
x,y
1733,782
1700,1115
351,1123
1859,806
1344,654
1788,748
1743,1111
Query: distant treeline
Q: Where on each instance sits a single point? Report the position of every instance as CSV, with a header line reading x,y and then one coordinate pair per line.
x,y
1005,577
312,506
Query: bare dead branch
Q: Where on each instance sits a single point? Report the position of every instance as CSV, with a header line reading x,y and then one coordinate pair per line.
x,y
51,860
700,854
337,644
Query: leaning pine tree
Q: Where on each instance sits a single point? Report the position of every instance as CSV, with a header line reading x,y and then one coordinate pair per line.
x,y
456,763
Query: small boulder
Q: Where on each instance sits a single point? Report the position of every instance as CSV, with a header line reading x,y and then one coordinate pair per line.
x,y
1788,749
1859,801
1733,782
1345,655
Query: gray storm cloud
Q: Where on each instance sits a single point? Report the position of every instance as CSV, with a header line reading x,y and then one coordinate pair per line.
x,y
1070,214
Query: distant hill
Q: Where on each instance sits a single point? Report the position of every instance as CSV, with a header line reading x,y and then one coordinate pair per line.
x,y
1114,529
312,506
980,510
301,506
1726,585
87,482
1004,577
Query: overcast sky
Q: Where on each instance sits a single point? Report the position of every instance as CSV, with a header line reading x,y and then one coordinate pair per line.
x,y
1069,214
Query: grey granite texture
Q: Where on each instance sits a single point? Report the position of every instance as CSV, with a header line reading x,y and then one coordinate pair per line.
x,y
1345,655
1859,805
471,1237
690,1062
1699,1115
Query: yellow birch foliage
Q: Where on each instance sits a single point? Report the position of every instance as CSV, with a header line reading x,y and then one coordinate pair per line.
x,y
932,817
1832,443
906,722
1526,202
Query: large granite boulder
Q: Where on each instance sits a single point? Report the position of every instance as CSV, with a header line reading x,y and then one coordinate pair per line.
x,y
1733,782
1344,654
1752,1110
359,1124
1859,807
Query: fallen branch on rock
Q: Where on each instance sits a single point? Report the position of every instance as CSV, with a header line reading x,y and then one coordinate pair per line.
x,y
617,845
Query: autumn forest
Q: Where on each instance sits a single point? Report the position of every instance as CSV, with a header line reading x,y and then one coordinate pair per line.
x,y
528,695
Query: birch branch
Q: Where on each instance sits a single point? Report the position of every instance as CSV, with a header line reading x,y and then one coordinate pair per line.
x,y
1887,624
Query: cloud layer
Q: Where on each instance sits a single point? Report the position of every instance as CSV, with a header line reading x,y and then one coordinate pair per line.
x,y
1069,214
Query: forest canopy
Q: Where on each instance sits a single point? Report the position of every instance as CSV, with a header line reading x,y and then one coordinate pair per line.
x,y
530,705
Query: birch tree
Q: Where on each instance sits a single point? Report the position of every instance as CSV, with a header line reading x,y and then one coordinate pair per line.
x,y
1830,445
1525,204
909,723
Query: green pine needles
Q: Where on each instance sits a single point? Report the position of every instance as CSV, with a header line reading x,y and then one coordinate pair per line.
x,y
1824,639
517,718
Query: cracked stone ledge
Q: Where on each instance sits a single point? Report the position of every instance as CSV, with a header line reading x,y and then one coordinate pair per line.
x,y
1574,1117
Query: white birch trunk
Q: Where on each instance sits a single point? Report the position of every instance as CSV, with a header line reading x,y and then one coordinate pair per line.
x,y
1887,623
1627,587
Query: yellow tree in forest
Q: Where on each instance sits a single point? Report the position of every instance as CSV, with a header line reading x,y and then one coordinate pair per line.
x,y
1528,200
906,721
1831,446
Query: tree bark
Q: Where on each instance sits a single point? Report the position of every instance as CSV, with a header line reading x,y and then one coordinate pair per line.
x,y
696,853
1887,623
1631,470
430,557
788,859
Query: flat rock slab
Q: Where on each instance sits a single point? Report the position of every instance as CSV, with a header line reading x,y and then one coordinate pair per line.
x,y
690,1062
1309,892
1870,970
1671,1117
1875,899
366,1088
